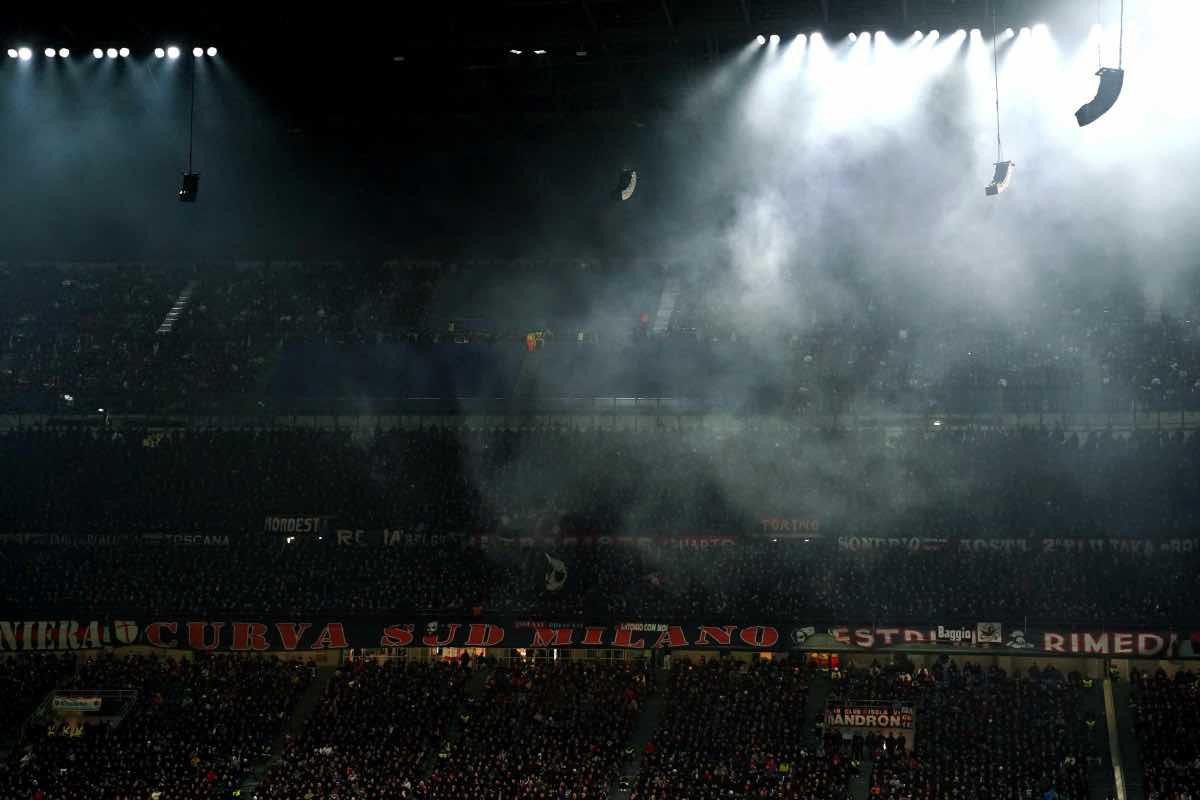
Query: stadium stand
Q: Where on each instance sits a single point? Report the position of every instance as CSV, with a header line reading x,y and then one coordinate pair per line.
x,y
733,730
198,727
1165,707
981,731
543,729
372,734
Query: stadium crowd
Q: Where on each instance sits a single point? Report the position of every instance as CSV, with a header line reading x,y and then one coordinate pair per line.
x,y
978,482
196,727
23,683
88,332
543,729
733,730
1164,709
757,580
373,733
981,731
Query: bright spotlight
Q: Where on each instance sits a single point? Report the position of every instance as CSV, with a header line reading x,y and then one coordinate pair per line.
x,y
516,52
124,52
960,33
854,37
212,51
1001,178
760,39
1009,32
197,51
12,53
50,52
111,52
539,52
935,35
97,52
172,52
774,38
160,53
64,52
1040,29
24,53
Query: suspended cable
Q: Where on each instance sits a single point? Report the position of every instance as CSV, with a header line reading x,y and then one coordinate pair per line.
x,y
1004,169
192,118
1121,40
189,185
996,76
1111,81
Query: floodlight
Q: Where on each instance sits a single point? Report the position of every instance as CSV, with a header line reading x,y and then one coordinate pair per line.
x,y
50,52
854,37
197,51
1001,179
212,51
1111,81
24,53
160,53
172,52
97,52
63,52
124,52
111,52
628,184
760,39
774,38
12,53
189,187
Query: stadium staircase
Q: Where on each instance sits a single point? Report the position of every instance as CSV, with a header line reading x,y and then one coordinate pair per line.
x,y
1130,754
1101,783
818,695
295,724
177,309
643,730
476,686
666,305
530,366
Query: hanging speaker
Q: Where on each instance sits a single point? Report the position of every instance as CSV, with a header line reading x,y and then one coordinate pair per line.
x,y
627,185
1111,81
189,187
1001,178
